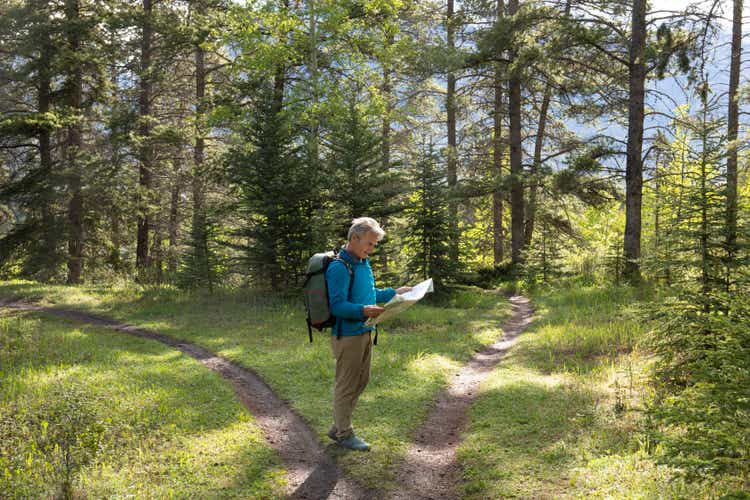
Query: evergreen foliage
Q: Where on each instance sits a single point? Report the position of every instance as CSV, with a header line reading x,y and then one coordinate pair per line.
x,y
33,240
358,181
278,197
430,232
543,263
701,333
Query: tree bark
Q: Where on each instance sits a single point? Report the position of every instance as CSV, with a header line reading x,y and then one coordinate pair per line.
x,y
497,157
516,167
537,163
144,130
114,256
385,143
634,167
536,166
198,228
49,239
174,210
157,250
732,129
452,157
73,144
315,126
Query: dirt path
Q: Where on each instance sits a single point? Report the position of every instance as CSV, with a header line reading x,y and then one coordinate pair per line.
x,y
429,470
312,473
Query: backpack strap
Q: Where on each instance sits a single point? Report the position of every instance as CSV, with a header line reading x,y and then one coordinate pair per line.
x,y
348,294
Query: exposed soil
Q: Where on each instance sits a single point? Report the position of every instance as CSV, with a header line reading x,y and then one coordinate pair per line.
x,y
430,470
312,472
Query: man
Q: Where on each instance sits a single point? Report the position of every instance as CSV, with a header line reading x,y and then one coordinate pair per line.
x,y
350,338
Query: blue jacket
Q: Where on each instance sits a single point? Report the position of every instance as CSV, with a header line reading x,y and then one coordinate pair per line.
x,y
349,311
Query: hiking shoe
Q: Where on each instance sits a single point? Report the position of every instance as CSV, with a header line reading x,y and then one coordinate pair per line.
x,y
353,443
332,434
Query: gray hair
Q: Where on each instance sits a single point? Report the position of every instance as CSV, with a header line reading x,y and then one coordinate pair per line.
x,y
364,225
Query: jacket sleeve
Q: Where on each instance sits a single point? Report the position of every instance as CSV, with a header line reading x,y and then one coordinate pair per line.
x,y
337,277
384,295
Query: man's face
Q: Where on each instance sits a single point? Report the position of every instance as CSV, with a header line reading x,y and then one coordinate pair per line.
x,y
363,245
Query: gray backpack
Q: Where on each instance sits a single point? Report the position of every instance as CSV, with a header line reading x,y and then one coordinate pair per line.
x,y
315,291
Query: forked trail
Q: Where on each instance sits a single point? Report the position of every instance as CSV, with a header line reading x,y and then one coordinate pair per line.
x,y
429,470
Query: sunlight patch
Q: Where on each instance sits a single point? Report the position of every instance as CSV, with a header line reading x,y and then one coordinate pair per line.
x,y
431,365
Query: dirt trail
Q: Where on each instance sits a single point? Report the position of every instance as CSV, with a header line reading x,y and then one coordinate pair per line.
x,y
312,473
429,470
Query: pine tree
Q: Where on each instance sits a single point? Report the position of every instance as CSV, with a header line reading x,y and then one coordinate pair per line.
x,y
430,232
278,196
543,261
701,334
360,183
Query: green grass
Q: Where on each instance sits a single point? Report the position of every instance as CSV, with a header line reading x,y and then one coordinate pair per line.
x,y
166,426
416,355
560,417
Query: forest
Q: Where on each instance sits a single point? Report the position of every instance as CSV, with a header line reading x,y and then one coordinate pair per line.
x,y
176,150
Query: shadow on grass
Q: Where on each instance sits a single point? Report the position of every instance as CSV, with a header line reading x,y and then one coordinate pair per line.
x,y
152,381
268,334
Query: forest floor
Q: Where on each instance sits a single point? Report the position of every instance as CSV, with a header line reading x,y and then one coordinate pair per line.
x,y
557,417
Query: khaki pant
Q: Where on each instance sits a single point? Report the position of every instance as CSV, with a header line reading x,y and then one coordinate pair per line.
x,y
352,374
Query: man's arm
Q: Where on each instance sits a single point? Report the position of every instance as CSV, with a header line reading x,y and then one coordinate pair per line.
x,y
384,295
337,277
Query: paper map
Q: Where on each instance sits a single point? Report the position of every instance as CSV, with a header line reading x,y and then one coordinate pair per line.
x,y
402,302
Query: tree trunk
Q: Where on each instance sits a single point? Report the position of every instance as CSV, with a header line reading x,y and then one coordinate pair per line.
x,y
704,202
114,256
634,167
452,156
385,142
146,151
497,158
174,207
276,277
198,228
315,126
536,166
157,249
73,144
48,250
516,167
732,129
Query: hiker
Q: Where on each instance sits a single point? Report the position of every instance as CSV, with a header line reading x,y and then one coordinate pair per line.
x,y
350,338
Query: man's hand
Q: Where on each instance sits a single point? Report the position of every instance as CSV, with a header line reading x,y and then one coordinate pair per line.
x,y
403,289
373,311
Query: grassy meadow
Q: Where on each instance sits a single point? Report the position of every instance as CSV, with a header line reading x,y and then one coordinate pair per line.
x,y
560,417
416,355
85,412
